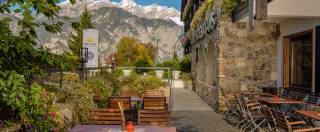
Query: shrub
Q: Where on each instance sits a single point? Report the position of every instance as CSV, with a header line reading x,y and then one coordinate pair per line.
x,y
185,64
141,84
34,104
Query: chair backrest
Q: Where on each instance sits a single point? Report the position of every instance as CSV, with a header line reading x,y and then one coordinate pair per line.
x,y
154,93
154,103
241,107
313,99
113,102
285,93
104,116
281,120
129,94
268,113
154,117
230,103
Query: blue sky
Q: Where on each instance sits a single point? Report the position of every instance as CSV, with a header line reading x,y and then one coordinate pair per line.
x,y
170,3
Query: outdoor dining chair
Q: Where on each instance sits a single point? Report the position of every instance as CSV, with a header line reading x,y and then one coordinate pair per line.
x,y
270,120
284,92
283,122
103,116
252,113
113,102
154,103
154,93
311,100
154,117
232,108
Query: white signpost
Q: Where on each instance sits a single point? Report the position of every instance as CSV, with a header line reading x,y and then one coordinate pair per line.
x,y
91,42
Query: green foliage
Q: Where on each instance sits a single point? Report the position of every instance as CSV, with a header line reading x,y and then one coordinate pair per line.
x,y
80,98
36,109
200,14
12,87
229,5
21,56
187,10
75,40
27,8
185,64
186,76
132,53
127,51
141,84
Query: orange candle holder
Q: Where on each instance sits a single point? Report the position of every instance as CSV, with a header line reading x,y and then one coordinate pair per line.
x,y
130,126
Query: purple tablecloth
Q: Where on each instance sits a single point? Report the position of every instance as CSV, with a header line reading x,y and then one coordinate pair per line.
x,y
117,128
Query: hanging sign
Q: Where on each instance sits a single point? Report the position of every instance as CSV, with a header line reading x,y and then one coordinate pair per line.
x,y
91,41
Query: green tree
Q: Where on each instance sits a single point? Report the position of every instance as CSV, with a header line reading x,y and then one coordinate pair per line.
x,y
127,51
75,40
18,52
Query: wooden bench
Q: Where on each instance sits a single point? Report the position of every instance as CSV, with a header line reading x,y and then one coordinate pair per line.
x,y
129,94
154,93
105,116
113,102
154,103
154,117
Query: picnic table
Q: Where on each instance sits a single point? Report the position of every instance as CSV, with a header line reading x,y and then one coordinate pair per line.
x,y
117,128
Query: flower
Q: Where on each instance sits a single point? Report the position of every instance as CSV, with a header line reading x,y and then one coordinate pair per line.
x,y
18,97
98,97
53,114
30,127
55,130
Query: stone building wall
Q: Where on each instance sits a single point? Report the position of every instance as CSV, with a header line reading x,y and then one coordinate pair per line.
x,y
236,60
247,60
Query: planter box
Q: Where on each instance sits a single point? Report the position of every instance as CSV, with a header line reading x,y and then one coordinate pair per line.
x,y
159,73
126,72
176,74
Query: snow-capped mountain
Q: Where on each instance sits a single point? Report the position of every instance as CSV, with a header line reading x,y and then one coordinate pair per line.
x,y
153,11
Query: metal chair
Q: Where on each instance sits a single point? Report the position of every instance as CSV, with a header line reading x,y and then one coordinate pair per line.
x,y
270,120
232,108
291,126
255,118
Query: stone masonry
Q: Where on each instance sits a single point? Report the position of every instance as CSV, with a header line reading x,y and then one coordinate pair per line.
x,y
236,58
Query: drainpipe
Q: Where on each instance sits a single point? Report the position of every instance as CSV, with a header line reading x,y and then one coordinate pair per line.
x,y
250,15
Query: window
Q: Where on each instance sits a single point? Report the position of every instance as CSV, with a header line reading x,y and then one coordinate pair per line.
x,y
298,60
301,61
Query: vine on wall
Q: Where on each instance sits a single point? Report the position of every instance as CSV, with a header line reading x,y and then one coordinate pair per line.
x,y
200,14
187,9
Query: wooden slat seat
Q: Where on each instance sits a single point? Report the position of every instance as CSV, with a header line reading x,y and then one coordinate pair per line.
x,y
154,117
113,102
154,93
154,103
105,117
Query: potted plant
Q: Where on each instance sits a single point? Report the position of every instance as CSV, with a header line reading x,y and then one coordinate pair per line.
x,y
159,73
126,72
187,80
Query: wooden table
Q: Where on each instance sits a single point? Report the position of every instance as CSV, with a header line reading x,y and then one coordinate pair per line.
x,y
136,99
117,128
272,100
309,113
249,93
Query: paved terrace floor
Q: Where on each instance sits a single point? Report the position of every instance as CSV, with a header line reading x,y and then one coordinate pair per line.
x,y
191,114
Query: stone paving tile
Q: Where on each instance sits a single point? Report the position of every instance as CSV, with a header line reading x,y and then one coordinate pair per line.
x,y
192,114
200,121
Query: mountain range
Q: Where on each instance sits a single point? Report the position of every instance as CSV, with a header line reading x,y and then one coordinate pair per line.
x,y
149,24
